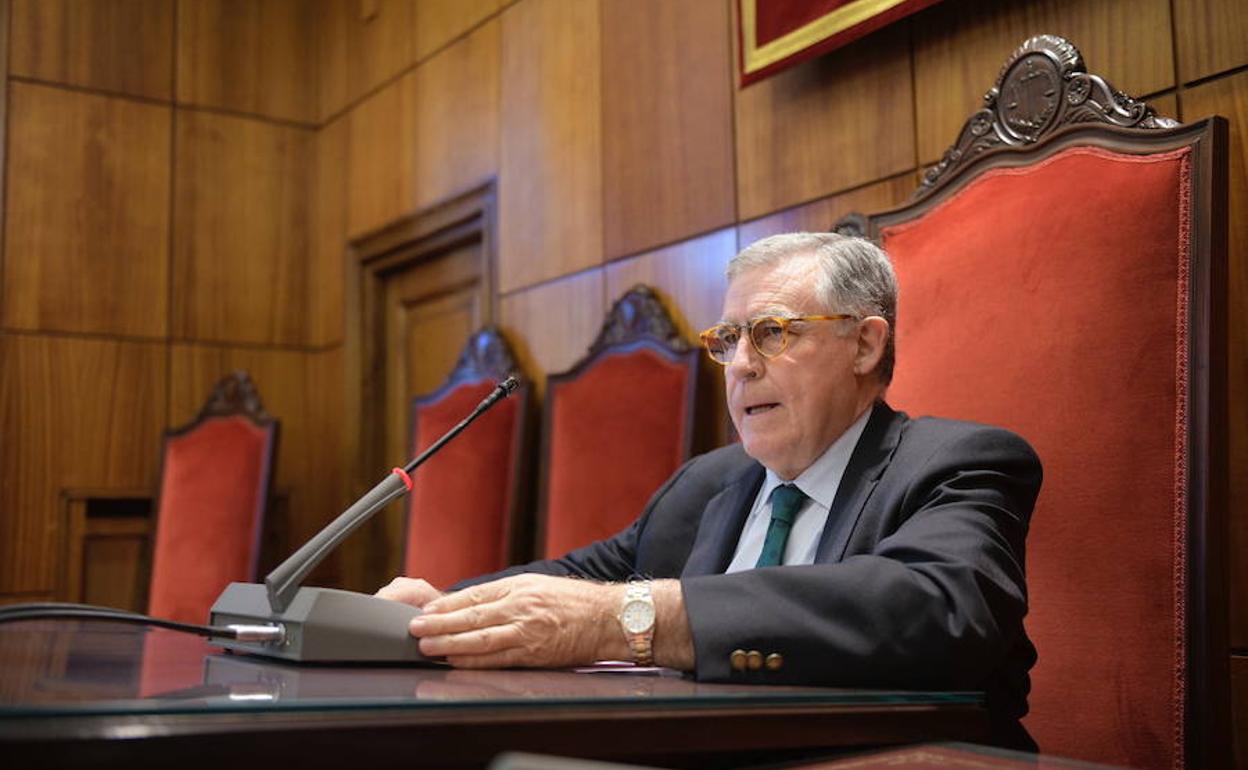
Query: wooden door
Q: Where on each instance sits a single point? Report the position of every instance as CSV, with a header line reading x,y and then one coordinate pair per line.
x,y
426,284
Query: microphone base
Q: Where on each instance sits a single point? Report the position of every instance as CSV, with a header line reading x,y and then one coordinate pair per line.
x,y
322,625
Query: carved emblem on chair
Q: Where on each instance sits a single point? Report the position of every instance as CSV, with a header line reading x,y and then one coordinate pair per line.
x,y
486,356
1043,87
234,393
636,315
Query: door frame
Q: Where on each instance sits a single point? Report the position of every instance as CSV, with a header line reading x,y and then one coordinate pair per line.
x,y
420,237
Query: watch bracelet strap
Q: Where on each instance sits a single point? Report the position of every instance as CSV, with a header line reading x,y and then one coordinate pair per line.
x,y
641,645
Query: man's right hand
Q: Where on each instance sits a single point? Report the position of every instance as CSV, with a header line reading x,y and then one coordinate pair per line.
x,y
413,591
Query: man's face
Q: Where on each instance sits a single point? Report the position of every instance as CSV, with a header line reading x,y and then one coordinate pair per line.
x,y
789,408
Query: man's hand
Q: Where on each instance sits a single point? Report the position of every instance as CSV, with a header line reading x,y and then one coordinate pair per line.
x,y
523,620
411,591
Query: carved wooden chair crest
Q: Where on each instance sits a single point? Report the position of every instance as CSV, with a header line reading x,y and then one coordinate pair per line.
x,y
616,424
465,515
1063,274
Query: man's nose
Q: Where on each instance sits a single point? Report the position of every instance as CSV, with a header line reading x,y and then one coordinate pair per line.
x,y
746,361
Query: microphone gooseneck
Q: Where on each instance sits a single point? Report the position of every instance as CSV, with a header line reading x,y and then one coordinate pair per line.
x,y
282,583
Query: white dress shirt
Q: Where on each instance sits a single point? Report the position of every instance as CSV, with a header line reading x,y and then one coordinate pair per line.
x,y
819,483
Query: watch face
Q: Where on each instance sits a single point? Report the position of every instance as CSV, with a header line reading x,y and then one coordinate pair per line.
x,y
637,617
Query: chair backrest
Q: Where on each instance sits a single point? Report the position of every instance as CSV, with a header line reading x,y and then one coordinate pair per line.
x,y
1063,274
465,512
214,488
615,425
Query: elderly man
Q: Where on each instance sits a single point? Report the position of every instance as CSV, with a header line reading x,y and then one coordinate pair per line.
x,y
839,543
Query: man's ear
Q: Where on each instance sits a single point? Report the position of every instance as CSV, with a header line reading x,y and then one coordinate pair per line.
x,y
872,335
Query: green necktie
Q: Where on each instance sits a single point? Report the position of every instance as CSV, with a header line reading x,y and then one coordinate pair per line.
x,y
785,502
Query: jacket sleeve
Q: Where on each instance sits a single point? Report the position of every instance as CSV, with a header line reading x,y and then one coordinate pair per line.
x,y
935,602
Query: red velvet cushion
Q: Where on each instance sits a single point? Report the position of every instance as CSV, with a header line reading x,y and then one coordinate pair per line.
x,y
616,433
458,525
1051,300
212,494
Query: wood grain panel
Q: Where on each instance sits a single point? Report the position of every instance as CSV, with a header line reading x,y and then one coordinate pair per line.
x,y
87,225
240,230
1229,97
820,215
253,56
1239,709
666,122
327,224
74,413
959,49
832,123
330,20
689,275
364,44
124,46
295,389
550,198
381,158
1210,36
438,22
456,117
551,326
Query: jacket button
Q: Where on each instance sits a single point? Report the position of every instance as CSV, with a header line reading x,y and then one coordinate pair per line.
x,y
737,660
754,659
775,661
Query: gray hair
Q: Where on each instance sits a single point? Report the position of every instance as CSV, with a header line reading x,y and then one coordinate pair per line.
x,y
855,276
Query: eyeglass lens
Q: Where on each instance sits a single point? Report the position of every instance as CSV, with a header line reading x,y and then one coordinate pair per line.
x,y
766,334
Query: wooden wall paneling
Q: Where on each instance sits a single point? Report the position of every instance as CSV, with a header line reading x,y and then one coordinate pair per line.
x,y
289,382
240,230
327,225
87,222
1210,36
380,43
126,47
667,74
689,275
456,117
820,215
1239,709
330,21
1229,97
959,48
381,158
550,177
438,22
361,45
830,124
74,413
551,326
252,56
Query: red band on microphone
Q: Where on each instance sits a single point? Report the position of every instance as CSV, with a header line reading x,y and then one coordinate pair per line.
x,y
407,480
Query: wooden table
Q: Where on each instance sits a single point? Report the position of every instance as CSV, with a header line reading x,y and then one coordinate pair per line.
x,y
75,694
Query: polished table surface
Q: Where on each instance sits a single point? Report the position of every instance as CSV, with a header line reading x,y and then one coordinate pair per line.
x,y
94,693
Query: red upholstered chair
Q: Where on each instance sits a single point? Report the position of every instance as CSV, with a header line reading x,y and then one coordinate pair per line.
x,y
214,487
616,425
1062,274
465,512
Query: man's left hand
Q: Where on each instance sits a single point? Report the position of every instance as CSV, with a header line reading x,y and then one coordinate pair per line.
x,y
524,620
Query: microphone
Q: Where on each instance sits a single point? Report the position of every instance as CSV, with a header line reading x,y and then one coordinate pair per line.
x,y
329,624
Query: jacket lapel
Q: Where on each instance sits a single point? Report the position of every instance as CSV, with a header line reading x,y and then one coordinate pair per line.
x,y
721,524
868,462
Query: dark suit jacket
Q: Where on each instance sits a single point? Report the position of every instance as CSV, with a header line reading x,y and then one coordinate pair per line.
x,y
927,593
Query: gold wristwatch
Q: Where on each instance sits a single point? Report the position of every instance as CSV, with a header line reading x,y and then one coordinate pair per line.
x,y
637,619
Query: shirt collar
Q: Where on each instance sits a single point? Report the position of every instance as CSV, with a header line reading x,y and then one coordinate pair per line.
x,y
820,481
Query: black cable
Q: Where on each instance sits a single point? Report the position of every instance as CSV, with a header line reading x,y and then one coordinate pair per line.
x,y
38,611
